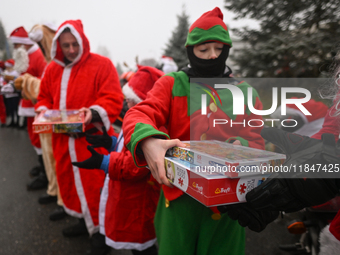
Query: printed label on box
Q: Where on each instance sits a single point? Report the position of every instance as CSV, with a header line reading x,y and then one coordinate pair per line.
x,y
59,121
209,188
227,159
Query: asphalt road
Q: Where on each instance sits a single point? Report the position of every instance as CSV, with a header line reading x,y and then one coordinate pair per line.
x,y
26,230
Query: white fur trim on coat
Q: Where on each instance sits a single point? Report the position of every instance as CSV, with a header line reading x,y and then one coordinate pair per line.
x,y
130,94
75,33
103,115
329,245
41,108
102,204
26,111
91,228
128,245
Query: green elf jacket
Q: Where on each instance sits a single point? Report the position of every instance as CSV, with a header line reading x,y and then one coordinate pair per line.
x,y
174,103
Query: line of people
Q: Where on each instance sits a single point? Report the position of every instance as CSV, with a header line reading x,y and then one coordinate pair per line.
x,y
75,78
101,177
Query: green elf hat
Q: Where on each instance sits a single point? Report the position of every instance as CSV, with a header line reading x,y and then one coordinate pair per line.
x,y
209,27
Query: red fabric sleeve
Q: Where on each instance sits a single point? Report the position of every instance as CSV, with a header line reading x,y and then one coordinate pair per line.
x,y
122,167
109,93
154,110
45,98
37,65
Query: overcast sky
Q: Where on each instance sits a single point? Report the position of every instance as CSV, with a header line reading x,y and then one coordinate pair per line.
x,y
127,28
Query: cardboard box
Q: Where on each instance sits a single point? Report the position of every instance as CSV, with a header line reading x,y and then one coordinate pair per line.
x,y
59,121
211,189
227,159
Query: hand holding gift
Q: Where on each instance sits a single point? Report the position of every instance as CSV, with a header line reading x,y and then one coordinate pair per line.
x,y
154,150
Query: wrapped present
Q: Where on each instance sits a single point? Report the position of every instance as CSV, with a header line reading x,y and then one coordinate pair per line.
x,y
227,159
209,188
59,121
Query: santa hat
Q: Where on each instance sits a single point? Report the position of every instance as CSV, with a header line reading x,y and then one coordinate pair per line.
x,y
37,32
209,27
20,36
141,83
43,34
2,64
168,65
9,63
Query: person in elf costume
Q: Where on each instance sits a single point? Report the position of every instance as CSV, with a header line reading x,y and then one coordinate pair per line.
x,y
183,225
30,59
79,79
130,194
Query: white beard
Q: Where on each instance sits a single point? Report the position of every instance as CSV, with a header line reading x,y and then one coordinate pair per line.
x,y
20,56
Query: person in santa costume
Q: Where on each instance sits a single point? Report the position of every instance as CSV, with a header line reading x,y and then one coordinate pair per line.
x,y
29,59
130,194
3,115
184,225
10,95
79,79
29,86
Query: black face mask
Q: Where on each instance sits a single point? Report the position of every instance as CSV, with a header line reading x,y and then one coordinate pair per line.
x,y
208,67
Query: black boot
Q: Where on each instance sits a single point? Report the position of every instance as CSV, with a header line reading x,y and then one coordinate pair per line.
x,y
41,181
35,171
47,199
76,230
98,245
58,214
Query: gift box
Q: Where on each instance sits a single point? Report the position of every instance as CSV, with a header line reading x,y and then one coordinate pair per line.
x,y
227,159
211,189
59,121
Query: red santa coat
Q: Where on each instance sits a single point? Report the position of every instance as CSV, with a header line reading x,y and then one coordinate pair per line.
x,y
128,203
89,81
37,65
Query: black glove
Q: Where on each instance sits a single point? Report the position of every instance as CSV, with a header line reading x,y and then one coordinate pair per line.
x,y
103,140
248,217
94,162
296,192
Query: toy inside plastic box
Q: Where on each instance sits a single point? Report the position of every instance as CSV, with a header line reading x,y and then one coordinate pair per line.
x,y
227,159
59,121
211,189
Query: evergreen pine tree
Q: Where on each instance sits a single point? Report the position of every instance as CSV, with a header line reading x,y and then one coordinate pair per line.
x,y
295,39
175,47
3,41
